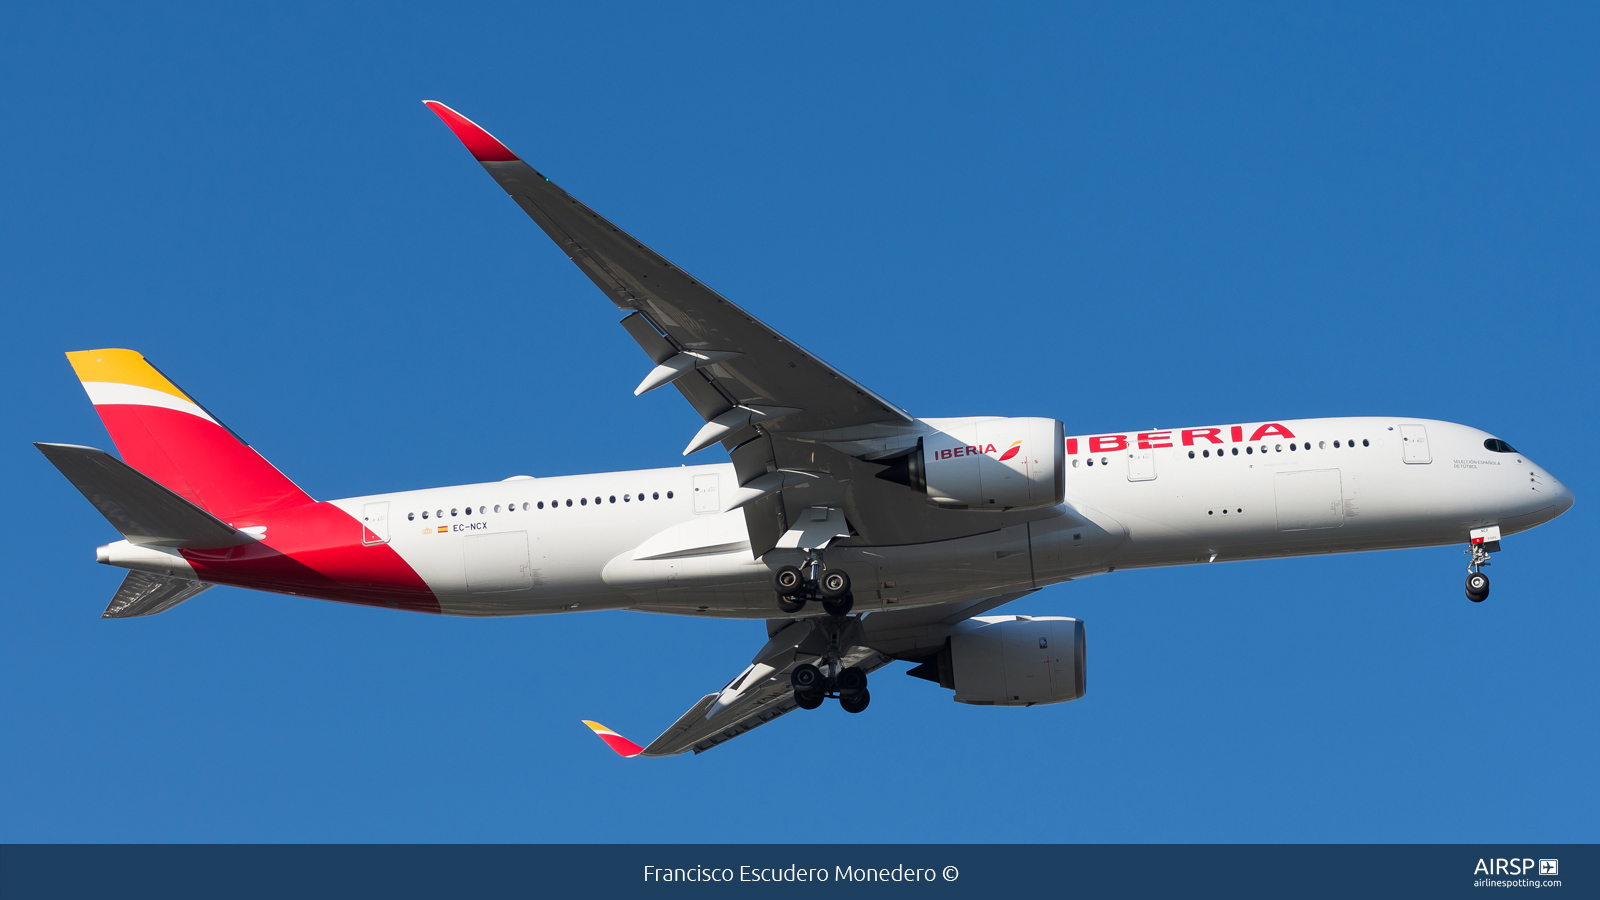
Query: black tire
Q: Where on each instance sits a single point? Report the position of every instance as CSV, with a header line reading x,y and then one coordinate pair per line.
x,y
833,584
851,681
1477,587
840,607
808,699
806,678
791,604
787,581
854,703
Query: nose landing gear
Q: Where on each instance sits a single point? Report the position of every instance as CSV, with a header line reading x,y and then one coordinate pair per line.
x,y
1484,541
1477,587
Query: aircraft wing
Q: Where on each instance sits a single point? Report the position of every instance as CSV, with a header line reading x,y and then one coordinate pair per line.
x,y
753,698
753,387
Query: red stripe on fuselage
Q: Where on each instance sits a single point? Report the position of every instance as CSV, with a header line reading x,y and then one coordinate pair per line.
x,y
315,550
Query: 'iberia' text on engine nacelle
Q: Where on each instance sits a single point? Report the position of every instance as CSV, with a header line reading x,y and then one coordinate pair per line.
x,y
986,463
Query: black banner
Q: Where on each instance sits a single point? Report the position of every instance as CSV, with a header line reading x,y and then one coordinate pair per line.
x,y
665,870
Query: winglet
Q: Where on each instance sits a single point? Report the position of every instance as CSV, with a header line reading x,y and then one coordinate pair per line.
x,y
480,143
617,742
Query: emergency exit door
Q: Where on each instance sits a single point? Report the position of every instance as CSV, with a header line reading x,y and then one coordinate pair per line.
x,y
1414,444
1141,465
375,524
705,494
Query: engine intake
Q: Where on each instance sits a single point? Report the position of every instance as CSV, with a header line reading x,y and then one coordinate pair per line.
x,y
987,464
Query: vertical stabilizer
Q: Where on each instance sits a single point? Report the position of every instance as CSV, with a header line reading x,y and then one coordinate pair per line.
x,y
164,433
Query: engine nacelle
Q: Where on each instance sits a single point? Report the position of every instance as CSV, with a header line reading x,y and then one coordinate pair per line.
x,y
1014,661
989,464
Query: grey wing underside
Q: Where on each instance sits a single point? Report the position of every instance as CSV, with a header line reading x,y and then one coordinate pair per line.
x,y
757,695
762,693
766,697
771,399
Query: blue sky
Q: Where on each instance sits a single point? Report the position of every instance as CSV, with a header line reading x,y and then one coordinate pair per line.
x,y
1151,215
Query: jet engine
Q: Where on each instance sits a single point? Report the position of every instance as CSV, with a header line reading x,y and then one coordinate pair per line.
x,y
1011,661
987,464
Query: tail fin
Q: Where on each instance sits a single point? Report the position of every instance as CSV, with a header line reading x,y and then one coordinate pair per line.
x,y
163,433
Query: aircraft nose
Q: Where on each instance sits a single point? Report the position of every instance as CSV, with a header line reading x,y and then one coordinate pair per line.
x,y
1563,495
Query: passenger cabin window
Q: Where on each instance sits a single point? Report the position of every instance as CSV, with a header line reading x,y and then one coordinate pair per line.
x,y
1498,446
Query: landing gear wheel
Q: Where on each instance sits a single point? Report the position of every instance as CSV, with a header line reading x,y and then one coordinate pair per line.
x,y
833,584
854,703
791,604
806,678
1477,587
808,699
840,607
851,681
787,581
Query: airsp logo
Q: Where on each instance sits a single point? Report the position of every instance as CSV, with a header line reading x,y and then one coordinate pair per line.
x,y
1515,867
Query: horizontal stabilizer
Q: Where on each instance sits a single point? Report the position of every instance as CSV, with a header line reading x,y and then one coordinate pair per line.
x,y
144,594
137,506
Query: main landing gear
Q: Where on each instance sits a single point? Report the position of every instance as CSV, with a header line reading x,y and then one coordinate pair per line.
x,y
812,686
810,581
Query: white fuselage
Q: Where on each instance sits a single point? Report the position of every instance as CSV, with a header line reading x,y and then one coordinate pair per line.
x,y
657,539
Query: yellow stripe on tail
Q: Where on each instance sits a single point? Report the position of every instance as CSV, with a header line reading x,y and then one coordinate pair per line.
x,y
115,366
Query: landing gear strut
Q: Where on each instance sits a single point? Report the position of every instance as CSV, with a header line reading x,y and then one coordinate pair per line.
x,y
810,581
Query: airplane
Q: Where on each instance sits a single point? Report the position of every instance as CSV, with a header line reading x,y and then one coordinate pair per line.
x,y
861,534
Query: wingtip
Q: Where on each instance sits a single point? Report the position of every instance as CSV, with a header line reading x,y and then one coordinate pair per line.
x,y
623,747
481,144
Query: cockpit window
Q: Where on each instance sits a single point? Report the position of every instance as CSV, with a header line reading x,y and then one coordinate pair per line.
x,y
1498,446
